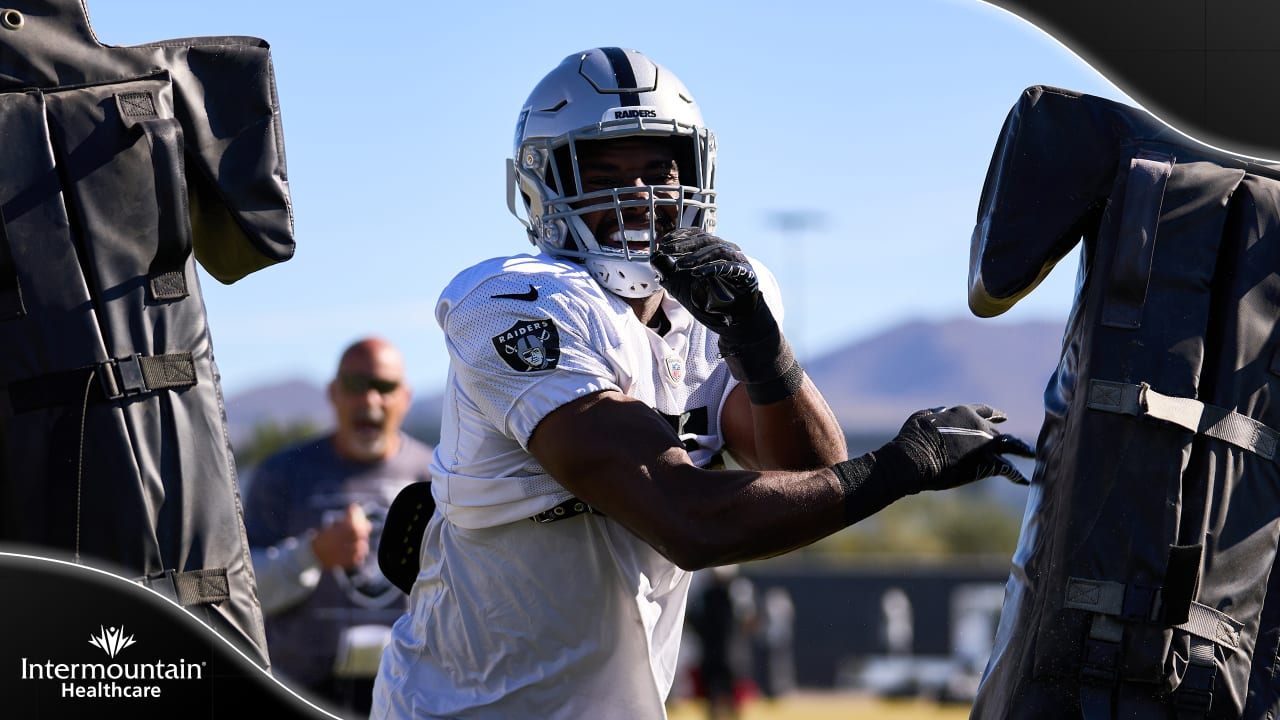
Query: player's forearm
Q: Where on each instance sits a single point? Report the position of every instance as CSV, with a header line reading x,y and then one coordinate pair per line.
x,y
729,516
797,433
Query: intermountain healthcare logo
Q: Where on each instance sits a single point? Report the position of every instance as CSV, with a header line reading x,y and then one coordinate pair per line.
x,y
111,641
111,679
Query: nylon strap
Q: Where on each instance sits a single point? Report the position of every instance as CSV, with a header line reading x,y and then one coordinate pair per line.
x,y
116,378
1126,293
192,587
1107,598
171,370
1212,421
198,587
166,277
1100,596
1213,625
1193,697
1100,671
1208,628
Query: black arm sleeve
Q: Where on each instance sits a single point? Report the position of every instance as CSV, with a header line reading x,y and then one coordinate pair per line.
x,y
873,481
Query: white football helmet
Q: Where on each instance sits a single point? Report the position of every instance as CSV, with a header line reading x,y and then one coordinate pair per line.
x,y
601,94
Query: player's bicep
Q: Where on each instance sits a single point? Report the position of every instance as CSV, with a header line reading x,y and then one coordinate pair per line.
x,y
738,427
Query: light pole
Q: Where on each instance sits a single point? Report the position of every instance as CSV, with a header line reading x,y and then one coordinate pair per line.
x,y
793,224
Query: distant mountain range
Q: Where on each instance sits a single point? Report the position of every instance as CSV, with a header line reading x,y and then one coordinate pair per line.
x,y
286,402
872,384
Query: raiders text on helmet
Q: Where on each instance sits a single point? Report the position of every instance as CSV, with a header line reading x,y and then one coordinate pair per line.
x,y
601,94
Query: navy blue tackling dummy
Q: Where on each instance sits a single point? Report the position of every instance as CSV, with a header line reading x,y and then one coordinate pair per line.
x,y
1143,583
123,166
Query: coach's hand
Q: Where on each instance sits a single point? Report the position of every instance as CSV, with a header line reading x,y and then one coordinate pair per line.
x,y
712,279
958,445
344,542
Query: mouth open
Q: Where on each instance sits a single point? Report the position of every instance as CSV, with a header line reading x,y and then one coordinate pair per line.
x,y
368,426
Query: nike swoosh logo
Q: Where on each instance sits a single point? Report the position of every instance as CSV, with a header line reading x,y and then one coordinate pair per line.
x,y
530,296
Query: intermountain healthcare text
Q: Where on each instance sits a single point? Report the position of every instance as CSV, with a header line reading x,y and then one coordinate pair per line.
x,y
110,690
105,675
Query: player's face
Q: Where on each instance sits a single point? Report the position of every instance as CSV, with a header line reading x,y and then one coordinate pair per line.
x,y
370,400
624,163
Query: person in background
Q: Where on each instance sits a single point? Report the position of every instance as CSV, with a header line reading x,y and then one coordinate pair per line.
x,y
313,514
775,643
725,617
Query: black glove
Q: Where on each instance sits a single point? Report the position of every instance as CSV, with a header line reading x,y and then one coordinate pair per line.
x,y
936,449
957,445
715,282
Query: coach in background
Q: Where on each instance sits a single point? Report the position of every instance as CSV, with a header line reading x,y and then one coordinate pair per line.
x,y
593,388
313,514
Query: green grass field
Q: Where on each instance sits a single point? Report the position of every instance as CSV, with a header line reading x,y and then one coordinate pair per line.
x,y
832,706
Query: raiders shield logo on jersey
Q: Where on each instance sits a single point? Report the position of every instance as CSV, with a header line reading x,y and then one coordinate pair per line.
x,y
529,345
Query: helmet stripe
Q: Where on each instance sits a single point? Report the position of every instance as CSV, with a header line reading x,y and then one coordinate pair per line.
x,y
623,74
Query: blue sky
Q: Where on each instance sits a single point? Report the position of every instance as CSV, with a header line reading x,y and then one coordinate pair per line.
x,y
876,120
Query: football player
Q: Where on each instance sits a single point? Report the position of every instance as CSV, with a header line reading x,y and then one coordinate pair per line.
x,y
596,389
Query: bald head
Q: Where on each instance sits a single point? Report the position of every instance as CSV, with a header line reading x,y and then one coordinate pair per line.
x,y
371,350
370,398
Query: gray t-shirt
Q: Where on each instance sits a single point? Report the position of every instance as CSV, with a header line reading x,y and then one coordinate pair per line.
x,y
291,494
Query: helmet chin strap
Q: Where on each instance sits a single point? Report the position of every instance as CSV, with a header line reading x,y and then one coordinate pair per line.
x,y
625,278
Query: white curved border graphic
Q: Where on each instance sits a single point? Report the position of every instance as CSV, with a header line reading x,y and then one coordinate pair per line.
x,y
215,633
1124,92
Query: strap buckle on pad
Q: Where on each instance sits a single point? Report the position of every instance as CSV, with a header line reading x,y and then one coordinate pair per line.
x,y
121,377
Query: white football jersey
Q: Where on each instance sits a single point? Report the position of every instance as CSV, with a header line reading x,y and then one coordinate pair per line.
x,y
512,618
528,334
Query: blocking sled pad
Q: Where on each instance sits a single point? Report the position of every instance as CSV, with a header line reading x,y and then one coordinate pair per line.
x,y
1142,583
123,166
